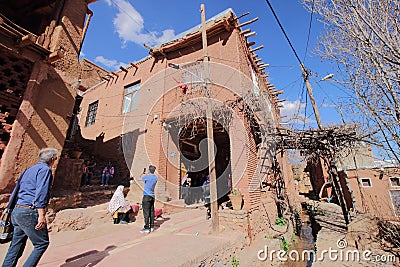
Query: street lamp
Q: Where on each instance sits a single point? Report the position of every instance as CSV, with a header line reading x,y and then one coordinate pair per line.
x,y
327,77
174,66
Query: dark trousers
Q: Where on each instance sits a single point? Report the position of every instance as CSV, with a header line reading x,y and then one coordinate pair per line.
x,y
148,211
86,179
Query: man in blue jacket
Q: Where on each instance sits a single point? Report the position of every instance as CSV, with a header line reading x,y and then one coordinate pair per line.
x,y
150,181
29,214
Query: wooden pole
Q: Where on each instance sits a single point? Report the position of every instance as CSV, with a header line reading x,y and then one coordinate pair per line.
x,y
311,94
210,133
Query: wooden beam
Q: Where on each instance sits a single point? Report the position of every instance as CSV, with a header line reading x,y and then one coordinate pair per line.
x,y
257,48
278,92
251,43
56,55
148,47
123,69
227,25
258,59
1,21
134,65
27,40
245,14
162,53
247,35
248,22
105,78
245,31
113,73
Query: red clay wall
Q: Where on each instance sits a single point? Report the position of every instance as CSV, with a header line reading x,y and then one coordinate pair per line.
x,y
377,199
48,100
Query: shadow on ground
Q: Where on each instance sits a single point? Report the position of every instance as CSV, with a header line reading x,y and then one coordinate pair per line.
x,y
89,258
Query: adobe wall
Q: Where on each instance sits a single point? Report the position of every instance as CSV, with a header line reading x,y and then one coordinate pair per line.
x,y
48,100
318,176
68,176
377,200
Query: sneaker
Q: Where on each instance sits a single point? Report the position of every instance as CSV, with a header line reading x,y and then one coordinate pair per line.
x,y
145,231
151,229
123,222
102,185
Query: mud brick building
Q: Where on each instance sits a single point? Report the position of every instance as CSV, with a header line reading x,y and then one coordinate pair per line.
x,y
153,112
368,186
40,42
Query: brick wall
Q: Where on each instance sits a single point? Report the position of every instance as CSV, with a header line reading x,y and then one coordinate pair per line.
x,y
234,219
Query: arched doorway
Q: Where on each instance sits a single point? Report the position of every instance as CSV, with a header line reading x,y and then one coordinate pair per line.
x,y
194,159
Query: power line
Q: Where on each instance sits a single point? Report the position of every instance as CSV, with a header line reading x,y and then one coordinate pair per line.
x,y
309,30
283,31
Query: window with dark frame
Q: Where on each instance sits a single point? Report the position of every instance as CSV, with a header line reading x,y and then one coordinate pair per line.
x,y
131,97
395,181
91,115
366,182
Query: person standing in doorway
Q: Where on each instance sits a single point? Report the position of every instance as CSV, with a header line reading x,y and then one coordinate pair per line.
x,y
150,181
29,214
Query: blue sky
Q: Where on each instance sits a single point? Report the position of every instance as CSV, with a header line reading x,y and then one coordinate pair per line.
x,y
119,28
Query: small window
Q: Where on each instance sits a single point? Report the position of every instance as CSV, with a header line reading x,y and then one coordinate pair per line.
x,y
131,98
91,115
395,181
366,182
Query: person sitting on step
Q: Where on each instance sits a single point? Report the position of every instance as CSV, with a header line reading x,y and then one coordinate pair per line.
x,y
108,172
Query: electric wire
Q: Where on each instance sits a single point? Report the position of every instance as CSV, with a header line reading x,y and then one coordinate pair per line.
x,y
309,30
284,32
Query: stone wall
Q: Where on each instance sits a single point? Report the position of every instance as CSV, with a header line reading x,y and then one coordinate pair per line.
x,y
234,220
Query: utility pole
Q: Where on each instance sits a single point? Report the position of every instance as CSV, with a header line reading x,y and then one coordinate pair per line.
x,y
332,170
210,130
311,94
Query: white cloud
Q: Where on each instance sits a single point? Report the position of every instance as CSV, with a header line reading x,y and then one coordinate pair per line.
x,y
112,64
129,25
293,112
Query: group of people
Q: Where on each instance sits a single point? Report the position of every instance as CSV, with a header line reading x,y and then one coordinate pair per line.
x,y
121,209
192,188
88,171
32,195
